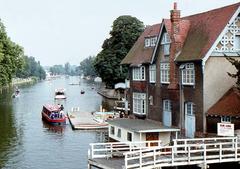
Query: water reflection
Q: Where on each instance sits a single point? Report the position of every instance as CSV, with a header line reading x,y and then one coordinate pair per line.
x,y
53,128
10,136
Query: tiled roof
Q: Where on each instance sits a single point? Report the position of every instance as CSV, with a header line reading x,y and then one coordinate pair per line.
x,y
228,105
138,53
197,32
204,31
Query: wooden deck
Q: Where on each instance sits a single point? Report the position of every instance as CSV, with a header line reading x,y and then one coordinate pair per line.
x,y
113,163
84,121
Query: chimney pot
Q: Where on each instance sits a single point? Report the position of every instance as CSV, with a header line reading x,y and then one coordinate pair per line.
x,y
175,6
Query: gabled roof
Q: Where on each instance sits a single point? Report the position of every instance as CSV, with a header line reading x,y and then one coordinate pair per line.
x,y
204,30
138,54
228,105
198,34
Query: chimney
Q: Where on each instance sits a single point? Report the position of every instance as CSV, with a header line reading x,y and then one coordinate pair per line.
x,y
175,14
175,45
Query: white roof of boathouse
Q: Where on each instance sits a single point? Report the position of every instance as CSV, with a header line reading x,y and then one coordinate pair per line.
x,y
141,126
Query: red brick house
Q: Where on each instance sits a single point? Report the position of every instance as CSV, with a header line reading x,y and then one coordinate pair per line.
x,y
178,68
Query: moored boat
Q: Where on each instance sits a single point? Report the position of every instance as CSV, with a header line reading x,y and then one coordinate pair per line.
x,y
60,93
53,114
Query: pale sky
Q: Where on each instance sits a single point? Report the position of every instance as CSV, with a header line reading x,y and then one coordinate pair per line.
x,y
57,31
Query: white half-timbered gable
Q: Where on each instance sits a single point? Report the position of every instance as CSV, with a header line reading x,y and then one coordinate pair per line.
x,y
230,42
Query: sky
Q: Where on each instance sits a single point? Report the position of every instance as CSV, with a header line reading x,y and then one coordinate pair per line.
x,y
60,31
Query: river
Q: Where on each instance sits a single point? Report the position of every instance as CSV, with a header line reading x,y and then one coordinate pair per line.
x,y
26,142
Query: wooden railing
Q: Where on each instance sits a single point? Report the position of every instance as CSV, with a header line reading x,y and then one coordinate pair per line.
x,y
117,149
186,152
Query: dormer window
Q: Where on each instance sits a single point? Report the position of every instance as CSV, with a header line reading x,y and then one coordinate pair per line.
x,y
166,44
150,41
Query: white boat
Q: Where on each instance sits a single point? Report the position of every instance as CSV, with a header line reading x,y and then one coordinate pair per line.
x,y
60,93
102,117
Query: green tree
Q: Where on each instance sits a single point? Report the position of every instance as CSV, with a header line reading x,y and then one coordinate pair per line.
x,y
235,63
87,67
11,57
31,68
125,31
57,69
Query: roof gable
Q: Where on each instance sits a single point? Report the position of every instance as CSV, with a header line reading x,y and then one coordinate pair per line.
x,y
205,29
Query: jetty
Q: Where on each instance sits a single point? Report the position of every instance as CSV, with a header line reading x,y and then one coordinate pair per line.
x,y
84,120
183,152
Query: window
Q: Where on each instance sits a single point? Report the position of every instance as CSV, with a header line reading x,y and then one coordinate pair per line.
x,y
188,74
225,119
139,103
189,108
150,41
153,41
147,42
119,133
129,136
138,73
112,130
166,44
166,38
237,42
167,105
164,72
152,73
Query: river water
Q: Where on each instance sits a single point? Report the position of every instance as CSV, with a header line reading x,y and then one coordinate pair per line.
x,y
26,142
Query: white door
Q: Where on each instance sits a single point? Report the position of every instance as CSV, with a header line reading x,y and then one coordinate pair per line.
x,y
167,118
190,121
167,114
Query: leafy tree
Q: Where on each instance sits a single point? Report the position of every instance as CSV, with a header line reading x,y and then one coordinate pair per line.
x,y
57,69
31,68
235,63
11,57
87,67
125,31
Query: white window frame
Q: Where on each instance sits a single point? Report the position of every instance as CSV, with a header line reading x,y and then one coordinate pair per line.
x,y
150,41
167,105
190,108
166,44
188,74
152,73
138,73
147,42
139,103
165,73
225,119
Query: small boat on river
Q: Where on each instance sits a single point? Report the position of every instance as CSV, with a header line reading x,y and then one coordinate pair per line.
x,y
54,114
60,93
16,93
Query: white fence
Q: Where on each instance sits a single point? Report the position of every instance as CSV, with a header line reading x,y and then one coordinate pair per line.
x,y
186,152
113,149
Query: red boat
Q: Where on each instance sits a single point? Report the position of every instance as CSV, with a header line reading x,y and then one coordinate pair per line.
x,y
53,114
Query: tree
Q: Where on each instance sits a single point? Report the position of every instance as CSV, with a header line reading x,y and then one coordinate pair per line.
x,y
235,63
67,68
87,67
125,31
31,68
11,57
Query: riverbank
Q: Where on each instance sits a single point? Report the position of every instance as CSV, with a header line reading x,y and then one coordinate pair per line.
x,y
19,81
